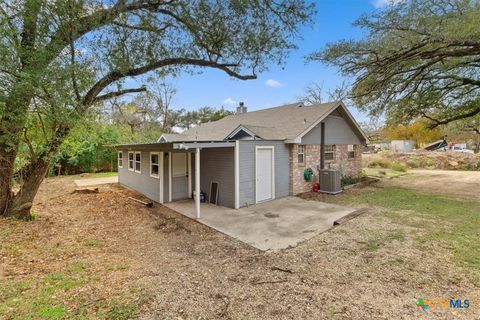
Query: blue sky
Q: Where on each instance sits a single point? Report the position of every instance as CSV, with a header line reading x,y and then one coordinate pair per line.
x,y
279,84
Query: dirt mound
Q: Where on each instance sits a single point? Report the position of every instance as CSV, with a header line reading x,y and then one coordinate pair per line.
x,y
426,160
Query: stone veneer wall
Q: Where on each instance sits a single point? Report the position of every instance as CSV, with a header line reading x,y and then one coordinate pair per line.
x,y
348,167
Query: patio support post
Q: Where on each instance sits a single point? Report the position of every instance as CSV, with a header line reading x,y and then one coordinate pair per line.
x,y
322,146
237,174
170,177
189,168
160,173
197,181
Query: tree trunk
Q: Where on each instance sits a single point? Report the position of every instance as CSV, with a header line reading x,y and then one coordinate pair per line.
x,y
11,125
165,120
22,202
8,154
6,174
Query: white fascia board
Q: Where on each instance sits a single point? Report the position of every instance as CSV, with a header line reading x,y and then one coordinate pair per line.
x,y
203,145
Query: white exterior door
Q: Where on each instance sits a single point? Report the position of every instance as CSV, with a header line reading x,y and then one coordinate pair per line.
x,y
265,174
179,176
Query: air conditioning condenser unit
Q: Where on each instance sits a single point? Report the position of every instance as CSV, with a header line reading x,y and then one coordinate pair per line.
x,y
330,181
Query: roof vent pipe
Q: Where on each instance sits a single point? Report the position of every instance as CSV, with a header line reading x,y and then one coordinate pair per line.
x,y
241,108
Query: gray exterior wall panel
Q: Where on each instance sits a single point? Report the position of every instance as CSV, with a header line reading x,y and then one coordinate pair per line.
x,y
142,182
217,164
337,131
247,169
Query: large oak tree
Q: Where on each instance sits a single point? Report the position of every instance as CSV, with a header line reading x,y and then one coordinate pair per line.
x,y
59,57
418,58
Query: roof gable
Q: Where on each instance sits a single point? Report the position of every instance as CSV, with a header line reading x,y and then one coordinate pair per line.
x,y
339,110
242,131
288,122
169,137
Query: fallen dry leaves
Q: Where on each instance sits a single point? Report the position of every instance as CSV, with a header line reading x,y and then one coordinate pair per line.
x,y
190,271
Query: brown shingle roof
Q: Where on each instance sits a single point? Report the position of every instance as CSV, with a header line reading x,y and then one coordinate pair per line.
x,y
280,123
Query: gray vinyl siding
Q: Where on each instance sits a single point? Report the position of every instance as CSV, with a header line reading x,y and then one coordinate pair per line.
x,y
217,164
247,169
337,131
141,182
165,177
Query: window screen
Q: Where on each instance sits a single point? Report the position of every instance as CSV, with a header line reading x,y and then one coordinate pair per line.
x,y
329,152
138,162
301,154
154,164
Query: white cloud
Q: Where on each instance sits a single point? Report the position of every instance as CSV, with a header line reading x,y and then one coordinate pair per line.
x,y
230,102
384,3
273,83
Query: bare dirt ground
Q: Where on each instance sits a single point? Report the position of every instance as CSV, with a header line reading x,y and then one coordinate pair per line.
x,y
187,271
451,183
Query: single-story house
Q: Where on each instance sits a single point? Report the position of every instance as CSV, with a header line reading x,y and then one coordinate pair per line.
x,y
251,156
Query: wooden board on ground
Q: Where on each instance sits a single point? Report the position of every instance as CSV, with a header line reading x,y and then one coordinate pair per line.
x,y
86,190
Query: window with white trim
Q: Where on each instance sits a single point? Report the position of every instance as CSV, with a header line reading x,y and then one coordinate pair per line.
x,y
329,152
138,162
120,159
131,158
301,154
351,151
154,164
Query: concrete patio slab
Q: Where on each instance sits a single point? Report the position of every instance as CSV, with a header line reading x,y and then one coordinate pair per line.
x,y
95,181
272,225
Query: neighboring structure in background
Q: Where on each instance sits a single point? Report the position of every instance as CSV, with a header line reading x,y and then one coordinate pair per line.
x,y
439,145
376,147
252,156
402,146
460,147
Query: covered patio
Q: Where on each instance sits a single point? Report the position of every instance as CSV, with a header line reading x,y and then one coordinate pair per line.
x,y
272,225
170,172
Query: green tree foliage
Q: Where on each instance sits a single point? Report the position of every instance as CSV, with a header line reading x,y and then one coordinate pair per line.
x,y
419,58
188,119
59,58
89,146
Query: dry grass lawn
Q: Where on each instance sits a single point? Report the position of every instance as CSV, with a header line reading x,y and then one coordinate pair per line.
x,y
89,256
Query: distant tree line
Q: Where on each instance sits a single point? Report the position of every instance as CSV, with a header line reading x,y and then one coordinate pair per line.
x,y
143,118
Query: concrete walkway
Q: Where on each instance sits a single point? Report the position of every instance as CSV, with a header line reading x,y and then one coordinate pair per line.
x,y
271,225
95,181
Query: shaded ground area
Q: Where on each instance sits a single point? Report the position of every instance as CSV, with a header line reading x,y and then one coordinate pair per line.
x,y
103,256
272,225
